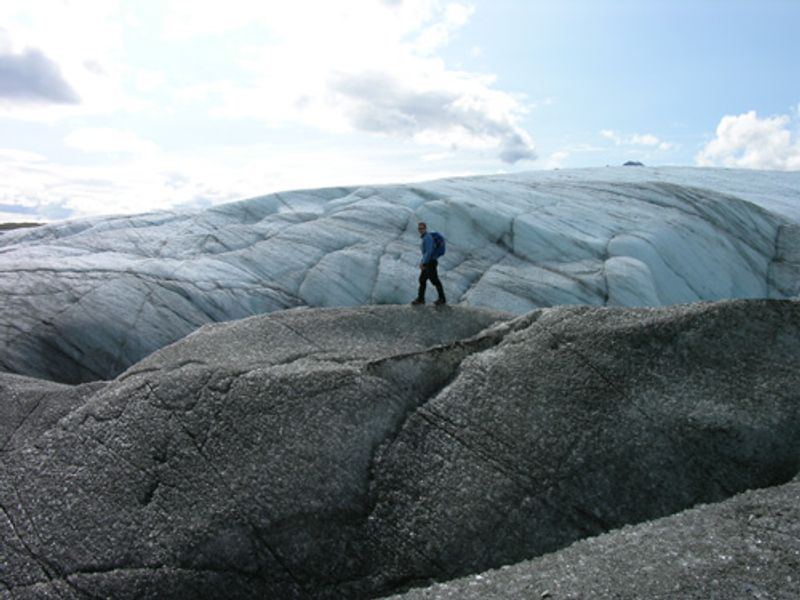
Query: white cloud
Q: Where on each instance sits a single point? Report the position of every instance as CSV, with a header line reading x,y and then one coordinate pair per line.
x,y
370,71
313,20
359,65
148,80
644,140
12,154
440,32
104,139
78,44
636,139
33,187
436,156
444,108
30,76
556,160
748,141
45,190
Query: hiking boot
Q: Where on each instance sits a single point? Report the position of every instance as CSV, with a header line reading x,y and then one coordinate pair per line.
x,y
417,302
440,301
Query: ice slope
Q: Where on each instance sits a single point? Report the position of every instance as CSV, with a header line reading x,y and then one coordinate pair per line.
x,y
83,300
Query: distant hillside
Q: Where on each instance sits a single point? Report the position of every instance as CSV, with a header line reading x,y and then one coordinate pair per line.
x,y
10,226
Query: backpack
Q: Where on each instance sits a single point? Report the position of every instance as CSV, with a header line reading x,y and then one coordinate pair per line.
x,y
438,245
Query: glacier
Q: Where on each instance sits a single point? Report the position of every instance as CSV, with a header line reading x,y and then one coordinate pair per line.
x,y
85,299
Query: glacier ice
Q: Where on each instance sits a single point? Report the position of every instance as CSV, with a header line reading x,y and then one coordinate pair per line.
x,y
83,300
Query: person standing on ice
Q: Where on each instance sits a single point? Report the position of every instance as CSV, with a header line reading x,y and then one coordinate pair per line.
x,y
432,246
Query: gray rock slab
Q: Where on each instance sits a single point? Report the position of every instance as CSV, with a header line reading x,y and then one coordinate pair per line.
x,y
305,336
587,420
746,547
247,443
398,446
31,406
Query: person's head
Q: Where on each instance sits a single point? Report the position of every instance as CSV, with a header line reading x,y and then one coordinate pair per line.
x,y
422,228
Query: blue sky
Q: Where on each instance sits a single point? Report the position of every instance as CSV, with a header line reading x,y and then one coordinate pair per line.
x,y
117,106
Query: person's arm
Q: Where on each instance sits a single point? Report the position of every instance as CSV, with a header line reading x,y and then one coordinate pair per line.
x,y
427,249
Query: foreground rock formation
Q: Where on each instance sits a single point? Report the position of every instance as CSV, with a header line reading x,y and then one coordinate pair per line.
x,y
352,453
30,406
747,547
84,300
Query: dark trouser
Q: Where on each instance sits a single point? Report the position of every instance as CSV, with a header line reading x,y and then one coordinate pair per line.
x,y
430,272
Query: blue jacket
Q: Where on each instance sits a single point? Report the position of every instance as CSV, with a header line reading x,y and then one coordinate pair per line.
x,y
426,245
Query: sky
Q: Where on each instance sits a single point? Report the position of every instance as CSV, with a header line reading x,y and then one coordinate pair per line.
x,y
128,106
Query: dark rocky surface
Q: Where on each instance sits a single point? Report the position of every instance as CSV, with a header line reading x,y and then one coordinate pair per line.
x,y
12,226
30,406
746,547
353,453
